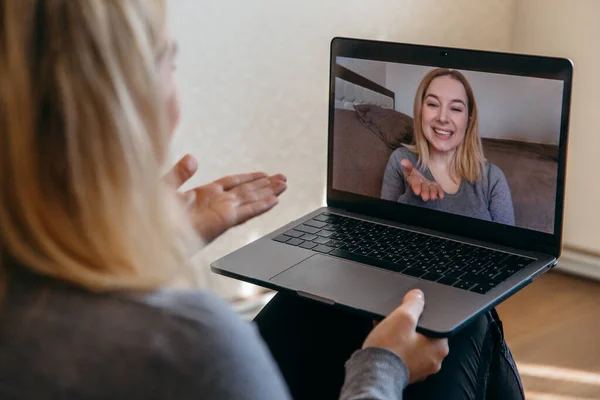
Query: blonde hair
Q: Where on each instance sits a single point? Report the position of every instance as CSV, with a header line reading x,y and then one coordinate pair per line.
x,y
468,161
83,136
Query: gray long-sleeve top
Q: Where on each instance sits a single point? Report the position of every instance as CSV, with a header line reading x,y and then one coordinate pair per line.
x,y
488,199
60,342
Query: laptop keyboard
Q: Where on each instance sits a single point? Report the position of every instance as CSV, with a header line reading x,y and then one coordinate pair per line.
x,y
435,259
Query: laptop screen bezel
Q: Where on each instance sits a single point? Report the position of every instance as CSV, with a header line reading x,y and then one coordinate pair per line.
x,y
474,60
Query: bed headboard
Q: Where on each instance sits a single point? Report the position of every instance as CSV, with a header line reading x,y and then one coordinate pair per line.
x,y
352,88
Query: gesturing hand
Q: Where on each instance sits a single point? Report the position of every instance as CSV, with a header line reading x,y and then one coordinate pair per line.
x,y
421,186
228,201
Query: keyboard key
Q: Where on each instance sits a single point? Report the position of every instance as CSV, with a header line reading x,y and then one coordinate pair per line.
x,y
455,266
335,243
367,243
445,256
322,218
390,257
402,263
315,224
502,276
321,240
349,247
491,284
366,260
351,240
452,273
517,262
308,245
308,236
494,267
420,265
438,270
377,254
513,264
323,249
497,257
448,281
430,252
338,236
430,276
463,285
325,233
480,289
394,252
363,251
460,259
294,233
490,275
438,262
476,278
479,263
282,238
295,242
307,229
473,270
463,249
380,247
414,272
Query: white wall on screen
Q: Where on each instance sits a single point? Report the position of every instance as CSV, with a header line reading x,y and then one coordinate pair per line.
x,y
510,107
372,70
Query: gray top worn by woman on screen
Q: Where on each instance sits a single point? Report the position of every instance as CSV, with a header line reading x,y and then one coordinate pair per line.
x,y
488,199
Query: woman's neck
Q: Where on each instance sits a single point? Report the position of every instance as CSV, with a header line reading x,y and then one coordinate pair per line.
x,y
441,163
441,160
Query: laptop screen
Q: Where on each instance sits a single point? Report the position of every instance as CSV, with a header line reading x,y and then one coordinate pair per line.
x,y
476,144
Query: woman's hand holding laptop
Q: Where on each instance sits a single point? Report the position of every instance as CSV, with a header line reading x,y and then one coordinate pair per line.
x,y
423,356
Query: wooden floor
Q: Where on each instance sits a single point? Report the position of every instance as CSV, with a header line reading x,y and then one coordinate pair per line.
x,y
553,330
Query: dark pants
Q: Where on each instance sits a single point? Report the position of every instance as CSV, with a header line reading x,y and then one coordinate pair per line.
x,y
311,342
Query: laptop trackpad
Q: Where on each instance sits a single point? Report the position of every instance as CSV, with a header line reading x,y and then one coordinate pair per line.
x,y
345,282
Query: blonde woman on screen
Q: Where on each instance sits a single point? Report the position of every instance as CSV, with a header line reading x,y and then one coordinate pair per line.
x,y
444,168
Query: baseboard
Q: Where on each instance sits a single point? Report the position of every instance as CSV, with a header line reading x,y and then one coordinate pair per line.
x,y
580,263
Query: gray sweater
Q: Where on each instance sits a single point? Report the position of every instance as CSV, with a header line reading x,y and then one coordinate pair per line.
x,y
488,199
59,342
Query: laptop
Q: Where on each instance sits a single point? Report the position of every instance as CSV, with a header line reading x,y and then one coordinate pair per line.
x,y
377,237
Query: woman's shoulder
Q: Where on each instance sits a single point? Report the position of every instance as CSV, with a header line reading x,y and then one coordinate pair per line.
x,y
210,316
175,339
493,172
184,304
402,153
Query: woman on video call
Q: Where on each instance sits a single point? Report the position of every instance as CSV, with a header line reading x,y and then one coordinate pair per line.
x,y
444,168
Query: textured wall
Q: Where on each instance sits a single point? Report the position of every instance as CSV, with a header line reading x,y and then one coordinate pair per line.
x,y
254,79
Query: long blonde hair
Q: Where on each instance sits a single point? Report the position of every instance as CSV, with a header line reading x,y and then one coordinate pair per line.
x,y
83,136
468,159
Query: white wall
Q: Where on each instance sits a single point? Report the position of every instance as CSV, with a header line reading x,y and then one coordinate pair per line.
x,y
254,81
570,29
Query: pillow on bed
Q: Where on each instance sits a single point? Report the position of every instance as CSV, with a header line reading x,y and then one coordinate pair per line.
x,y
393,127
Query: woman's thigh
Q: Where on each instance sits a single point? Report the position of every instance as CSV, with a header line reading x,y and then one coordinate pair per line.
x,y
311,343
